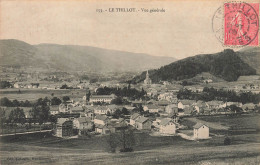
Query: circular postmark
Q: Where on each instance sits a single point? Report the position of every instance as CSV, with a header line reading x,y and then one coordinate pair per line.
x,y
236,24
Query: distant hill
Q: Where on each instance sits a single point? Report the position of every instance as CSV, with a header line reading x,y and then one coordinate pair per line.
x,y
68,58
227,65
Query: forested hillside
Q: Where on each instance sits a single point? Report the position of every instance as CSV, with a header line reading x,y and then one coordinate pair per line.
x,y
227,65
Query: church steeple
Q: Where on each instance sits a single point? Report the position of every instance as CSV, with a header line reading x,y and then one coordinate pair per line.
x,y
147,79
147,74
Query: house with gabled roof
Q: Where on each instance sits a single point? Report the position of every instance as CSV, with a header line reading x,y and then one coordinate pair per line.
x,y
151,108
101,119
101,110
199,106
143,123
83,123
76,109
133,118
167,126
214,104
172,108
185,103
200,131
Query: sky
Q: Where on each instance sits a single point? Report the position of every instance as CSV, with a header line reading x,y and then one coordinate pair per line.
x,y
184,29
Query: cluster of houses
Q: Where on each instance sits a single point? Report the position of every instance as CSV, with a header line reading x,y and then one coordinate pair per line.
x,y
98,119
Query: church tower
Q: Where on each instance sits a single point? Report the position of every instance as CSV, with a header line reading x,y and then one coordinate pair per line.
x,y
147,79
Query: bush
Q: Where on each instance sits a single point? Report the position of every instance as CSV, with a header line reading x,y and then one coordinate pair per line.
x,y
227,141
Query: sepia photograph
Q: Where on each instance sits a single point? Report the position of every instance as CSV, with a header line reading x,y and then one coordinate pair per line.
x,y
128,82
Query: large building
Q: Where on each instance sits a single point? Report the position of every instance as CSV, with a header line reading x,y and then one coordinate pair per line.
x,y
102,98
147,80
64,127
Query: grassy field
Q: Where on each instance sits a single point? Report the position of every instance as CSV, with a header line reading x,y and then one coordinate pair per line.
x,y
34,94
43,148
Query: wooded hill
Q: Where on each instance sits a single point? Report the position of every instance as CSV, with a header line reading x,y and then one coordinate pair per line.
x,y
227,65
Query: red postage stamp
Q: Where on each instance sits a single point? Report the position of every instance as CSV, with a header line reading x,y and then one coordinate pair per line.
x,y
241,24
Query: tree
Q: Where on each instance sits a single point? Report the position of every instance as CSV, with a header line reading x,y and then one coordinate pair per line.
x,y
65,98
40,113
125,111
16,103
64,86
6,102
88,96
27,104
128,140
17,116
234,108
2,119
227,141
5,84
55,101
113,142
117,114
117,101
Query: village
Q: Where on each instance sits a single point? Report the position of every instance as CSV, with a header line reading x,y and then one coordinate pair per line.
x,y
156,109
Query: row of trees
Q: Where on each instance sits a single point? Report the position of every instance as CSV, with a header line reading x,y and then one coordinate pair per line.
x,y
15,103
5,84
122,92
210,94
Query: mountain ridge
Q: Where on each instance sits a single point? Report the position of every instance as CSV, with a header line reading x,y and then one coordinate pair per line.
x,y
75,58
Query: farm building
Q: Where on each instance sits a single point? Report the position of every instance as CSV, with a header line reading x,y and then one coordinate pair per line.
x,y
201,131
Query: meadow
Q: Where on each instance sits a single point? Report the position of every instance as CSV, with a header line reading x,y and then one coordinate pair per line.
x,y
43,148
34,94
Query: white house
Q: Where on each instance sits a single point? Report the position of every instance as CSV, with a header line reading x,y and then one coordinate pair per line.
x,y
201,131
82,123
167,126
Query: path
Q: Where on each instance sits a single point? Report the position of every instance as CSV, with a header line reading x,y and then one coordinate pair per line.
x,y
23,133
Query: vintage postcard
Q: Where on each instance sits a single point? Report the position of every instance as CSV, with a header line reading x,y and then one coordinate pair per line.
x,y
129,82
